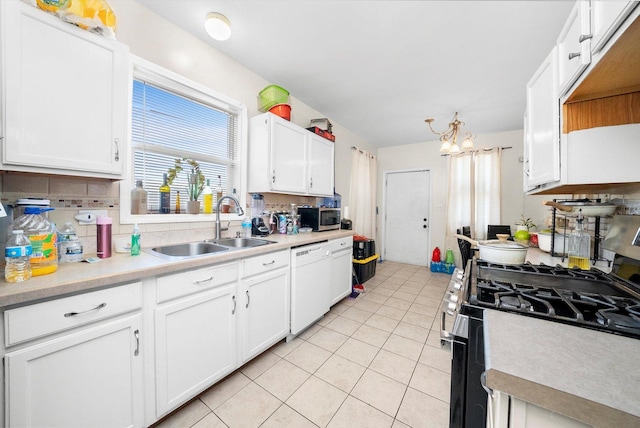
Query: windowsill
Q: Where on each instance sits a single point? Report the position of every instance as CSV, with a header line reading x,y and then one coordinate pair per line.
x,y
176,218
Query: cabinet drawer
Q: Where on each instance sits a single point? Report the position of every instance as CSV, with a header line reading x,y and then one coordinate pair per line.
x,y
189,282
265,263
41,319
341,243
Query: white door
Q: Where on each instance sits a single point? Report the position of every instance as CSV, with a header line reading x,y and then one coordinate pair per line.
x,y
406,216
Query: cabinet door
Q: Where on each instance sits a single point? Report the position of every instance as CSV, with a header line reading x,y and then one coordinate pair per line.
x,y
287,157
321,166
543,123
90,378
341,268
606,17
65,96
574,46
195,345
265,311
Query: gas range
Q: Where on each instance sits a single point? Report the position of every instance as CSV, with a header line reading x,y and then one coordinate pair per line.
x,y
607,302
590,299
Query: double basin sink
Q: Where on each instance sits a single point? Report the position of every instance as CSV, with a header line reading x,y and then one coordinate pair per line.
x,y
203,248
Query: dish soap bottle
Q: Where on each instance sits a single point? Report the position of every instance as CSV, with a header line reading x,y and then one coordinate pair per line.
x,y
135,241
579,246
207,197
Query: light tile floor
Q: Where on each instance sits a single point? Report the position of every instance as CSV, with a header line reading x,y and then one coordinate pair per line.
x,y
373,361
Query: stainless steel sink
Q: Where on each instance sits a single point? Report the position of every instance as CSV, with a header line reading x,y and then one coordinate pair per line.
x,y
184,251
242,242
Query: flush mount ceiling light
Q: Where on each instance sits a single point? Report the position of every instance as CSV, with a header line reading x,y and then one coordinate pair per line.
x,y
217,26
449,138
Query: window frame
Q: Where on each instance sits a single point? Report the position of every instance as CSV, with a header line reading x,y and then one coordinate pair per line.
x,y
171,81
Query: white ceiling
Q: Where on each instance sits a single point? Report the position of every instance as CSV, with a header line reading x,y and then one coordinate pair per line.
x,y
379,68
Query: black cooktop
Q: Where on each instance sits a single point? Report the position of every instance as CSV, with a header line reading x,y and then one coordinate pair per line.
x,y
592,299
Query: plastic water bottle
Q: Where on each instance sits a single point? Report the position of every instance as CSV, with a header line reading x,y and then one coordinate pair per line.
x,y
43,236
69,246
246,227
16,255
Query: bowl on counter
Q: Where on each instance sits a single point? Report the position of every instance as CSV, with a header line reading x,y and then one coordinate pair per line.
x,y
544,242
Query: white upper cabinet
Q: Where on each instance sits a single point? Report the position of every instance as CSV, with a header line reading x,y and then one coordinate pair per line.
x,y
606,17
64,105
286,158
542,138
574,46
321,174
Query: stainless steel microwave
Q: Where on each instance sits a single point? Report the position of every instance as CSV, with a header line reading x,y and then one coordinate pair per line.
x,y
320,219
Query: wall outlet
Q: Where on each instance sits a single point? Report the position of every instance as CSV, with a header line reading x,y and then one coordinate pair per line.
x,y
86,217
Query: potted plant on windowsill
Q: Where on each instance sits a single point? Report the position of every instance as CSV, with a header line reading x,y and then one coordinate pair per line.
x,y
196,182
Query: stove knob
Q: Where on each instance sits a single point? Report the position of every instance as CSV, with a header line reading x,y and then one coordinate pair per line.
x,y
460,274
451,307
453,298
457,285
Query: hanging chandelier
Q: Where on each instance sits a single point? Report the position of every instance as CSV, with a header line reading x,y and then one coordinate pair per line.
x,y
449,138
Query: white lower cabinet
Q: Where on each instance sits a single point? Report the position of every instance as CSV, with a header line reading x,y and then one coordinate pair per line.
x,y
88,378
195,336
264,302
341,268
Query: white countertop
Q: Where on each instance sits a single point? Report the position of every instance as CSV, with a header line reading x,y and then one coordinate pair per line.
x,y
78,277
536,256
587,375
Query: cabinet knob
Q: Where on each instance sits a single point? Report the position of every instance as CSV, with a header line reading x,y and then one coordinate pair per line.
x,y
573,55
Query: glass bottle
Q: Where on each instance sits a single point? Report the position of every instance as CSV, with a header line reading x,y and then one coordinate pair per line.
x,y
178,202
579,246
138,199
16,255
165,196
207,197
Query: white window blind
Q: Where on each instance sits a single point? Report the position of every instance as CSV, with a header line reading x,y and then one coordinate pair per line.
x,y
168,124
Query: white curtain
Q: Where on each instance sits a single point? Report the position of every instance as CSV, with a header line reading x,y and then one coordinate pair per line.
x,y
362,201
474,191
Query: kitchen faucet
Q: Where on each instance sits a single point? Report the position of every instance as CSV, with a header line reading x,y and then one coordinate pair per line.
x,y
240,212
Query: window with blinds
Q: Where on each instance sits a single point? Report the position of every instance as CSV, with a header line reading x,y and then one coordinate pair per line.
x,y
179,122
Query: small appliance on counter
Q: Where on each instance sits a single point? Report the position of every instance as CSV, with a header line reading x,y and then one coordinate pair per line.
x,y
320,219
258,228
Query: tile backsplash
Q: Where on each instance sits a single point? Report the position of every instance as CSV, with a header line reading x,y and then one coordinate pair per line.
x,y
70,194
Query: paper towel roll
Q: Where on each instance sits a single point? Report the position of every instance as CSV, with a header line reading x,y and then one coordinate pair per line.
x,y
345,212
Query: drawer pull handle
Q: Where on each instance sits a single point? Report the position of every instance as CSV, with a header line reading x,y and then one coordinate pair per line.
x,y
248,299
584,37
73,314
234,305
268,263
137,335
573,55
200,281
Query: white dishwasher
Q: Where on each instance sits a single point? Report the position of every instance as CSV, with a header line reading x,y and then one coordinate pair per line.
x,y
310,284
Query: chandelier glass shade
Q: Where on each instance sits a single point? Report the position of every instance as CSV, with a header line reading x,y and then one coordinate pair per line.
x,y
449,138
